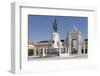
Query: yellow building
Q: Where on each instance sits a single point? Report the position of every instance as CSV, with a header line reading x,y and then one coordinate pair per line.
x,y
34,49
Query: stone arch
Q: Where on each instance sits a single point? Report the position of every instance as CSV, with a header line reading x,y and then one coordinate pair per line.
x,y
74,46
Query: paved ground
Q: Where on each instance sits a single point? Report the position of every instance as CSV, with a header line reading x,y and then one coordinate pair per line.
x,y
57,57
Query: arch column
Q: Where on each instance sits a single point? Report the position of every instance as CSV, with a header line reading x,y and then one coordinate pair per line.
x,y
84,47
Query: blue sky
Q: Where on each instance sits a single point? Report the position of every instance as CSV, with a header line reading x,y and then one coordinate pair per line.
x,y
40,27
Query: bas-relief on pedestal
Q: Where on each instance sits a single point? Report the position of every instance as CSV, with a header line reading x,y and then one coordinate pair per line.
x,y
55,40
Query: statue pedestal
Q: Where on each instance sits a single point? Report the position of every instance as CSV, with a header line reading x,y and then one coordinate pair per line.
x,y
55,40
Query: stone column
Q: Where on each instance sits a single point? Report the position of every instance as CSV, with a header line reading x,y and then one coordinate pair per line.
x,y
39,50
84,47
69,43
59,49
79,44
65,49
34,52
43,51
68,51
